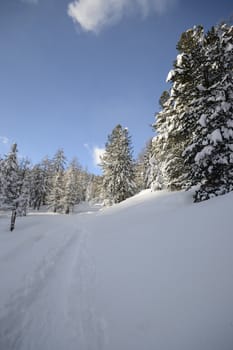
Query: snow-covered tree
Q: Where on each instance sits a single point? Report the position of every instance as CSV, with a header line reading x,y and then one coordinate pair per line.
x,y
39,186
118,166
154,177
94,191
175,123
56,194
139,171
211,151
59,161
147,173
14,185
70,188
24,187
195,126
10,178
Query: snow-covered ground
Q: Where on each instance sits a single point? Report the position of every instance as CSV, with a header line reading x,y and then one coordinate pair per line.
x,y
154,272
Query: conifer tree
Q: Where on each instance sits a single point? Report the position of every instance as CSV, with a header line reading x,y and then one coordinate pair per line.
x,y
118,167
10,178
70,188
57,184
175,123
47,172
24,187
14,192
38,186
94,191
211,151
147,169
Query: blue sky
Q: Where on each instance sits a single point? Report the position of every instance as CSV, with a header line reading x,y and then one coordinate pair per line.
x,y
70,71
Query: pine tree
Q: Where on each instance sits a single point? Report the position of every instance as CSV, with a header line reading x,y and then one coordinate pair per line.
x,y
211,151
57,183
118,167
11,184
140,171
70,188
80,181
176,122
24,187
10,178
94,191
147,170
38,189
47,172
57,192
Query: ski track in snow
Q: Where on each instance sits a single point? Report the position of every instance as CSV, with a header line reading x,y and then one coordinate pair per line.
x,y
54,306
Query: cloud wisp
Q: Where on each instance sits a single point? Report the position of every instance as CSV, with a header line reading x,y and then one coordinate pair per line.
x,y
94,15
4,140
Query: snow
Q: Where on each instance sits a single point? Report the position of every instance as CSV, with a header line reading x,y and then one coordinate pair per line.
x,y
179,59
227,133
202,120
206,151
200,87
153,272
215,137
230,123
225,106
170,75
229,47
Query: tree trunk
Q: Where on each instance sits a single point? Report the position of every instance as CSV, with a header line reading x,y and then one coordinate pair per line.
x,y
13,218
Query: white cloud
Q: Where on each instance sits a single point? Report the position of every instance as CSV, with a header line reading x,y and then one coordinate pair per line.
x,y
94,15
97,154
4,140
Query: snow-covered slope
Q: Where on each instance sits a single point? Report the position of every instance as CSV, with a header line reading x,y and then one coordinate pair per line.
x,y
154,272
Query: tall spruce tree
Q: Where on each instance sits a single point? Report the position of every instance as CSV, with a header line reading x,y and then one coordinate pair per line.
x,y
210,153
195,126
118,167
175,123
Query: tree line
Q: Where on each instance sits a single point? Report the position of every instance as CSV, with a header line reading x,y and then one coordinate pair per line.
x,y
51,183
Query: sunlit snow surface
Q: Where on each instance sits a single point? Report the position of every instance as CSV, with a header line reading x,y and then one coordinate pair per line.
x,y
152,273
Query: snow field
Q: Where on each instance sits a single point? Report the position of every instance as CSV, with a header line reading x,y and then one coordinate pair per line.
x,y
154,272
164,267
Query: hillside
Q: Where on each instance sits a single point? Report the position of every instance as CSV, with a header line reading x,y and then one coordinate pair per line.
x,y
154,272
